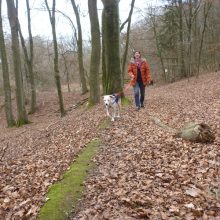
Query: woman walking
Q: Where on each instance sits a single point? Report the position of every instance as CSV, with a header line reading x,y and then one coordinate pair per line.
x,y
139,72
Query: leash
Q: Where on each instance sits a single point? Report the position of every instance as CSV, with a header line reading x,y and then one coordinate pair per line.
x,y
127,86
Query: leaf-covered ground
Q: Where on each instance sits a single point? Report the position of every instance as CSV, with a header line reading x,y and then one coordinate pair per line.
x,y
142,171
36,155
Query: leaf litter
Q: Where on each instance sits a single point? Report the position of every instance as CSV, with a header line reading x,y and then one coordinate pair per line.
x,y
142,171
145,173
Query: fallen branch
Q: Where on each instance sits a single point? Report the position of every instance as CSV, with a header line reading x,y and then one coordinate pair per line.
x,y
195,132
81,102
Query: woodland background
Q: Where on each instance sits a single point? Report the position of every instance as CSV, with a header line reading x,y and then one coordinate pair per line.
x,y
179,39
41,80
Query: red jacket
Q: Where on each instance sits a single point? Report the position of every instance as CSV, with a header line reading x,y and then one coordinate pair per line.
x,y
145,71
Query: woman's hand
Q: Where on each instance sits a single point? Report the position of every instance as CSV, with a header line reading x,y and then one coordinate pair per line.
x,y
131,75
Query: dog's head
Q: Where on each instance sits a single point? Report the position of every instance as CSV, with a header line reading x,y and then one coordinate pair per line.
x,y
107,99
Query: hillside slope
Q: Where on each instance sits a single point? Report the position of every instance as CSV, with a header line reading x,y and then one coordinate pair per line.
x,y
142,171
145,173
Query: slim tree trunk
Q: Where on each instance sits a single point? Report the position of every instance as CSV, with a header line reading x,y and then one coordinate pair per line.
x,y
80,49
104,73
189,39
182,62
111,42
124,58
14,25
159,49
6,81
29,72
95,54
66,72
56,66
30,63
193,10
207,6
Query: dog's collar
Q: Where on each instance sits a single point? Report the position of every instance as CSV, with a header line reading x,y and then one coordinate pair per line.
x,y
116,98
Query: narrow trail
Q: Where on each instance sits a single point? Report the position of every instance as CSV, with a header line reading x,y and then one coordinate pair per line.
x,y
145,173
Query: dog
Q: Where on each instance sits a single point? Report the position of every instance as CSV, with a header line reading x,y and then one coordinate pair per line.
x,y
112,105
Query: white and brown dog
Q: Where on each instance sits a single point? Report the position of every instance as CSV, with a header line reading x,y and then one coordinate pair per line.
x,y
112,105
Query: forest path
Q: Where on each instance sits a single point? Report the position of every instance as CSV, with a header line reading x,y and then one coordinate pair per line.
x,y
145,173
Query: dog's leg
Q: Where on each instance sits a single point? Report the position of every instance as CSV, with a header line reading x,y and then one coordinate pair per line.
x,y
107,112
114,114
118,110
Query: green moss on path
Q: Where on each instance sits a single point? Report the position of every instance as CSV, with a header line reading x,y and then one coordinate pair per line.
x,y
63,195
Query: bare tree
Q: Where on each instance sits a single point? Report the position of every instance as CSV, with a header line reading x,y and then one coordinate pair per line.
x,y
110,21
192,9
153,18
14,25
6,81
181,37
29,59
80,49
128,20
206,8
95,54
56,65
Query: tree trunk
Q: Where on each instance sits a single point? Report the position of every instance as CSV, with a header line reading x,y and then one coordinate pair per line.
x,y
30,63
124,58
95,54
159,49
182,62
66,72
80,49
190,39
14,25
207,6
6,81
104,73
111,42
29,72
56,66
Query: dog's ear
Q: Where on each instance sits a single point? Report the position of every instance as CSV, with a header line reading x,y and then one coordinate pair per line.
x,y
112,96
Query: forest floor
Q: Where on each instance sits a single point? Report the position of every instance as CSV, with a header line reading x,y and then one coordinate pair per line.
x,y
142,171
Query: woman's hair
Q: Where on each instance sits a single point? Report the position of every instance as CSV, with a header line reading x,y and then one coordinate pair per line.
x,y
136,51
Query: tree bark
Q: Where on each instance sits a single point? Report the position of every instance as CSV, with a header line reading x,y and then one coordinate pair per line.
x,y
66,71
95,54
124,58
104,73
6,80
181,41
80,49
110,22
29,71
56,66
159,49
14,25
189,22
30,62
207,6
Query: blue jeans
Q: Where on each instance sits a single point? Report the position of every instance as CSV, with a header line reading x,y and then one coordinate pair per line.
x,y
139,93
